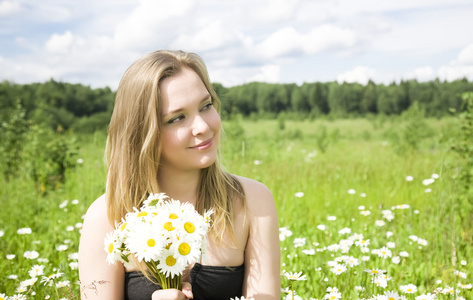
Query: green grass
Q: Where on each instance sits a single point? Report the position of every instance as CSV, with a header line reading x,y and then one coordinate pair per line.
x,y
361,155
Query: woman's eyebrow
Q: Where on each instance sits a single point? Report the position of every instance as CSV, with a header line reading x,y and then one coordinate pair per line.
x,y
178,110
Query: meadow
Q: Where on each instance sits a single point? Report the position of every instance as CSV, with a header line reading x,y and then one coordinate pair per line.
x,y
367,209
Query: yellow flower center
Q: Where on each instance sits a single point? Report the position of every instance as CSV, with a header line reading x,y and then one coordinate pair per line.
x,y
184,249
151,243
142,214
409,290
173,216
168,226
391,298
189,227
170,261
122,227
374,271
333,297
110,248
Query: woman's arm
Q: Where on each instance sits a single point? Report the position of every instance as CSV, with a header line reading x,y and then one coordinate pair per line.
x,y
262,253
99,279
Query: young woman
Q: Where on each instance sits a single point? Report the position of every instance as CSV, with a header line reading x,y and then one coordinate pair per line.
x,y
163,137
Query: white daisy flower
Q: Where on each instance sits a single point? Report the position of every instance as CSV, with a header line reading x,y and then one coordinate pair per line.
x,y
24,231
169,265
408,289
36,270
31,254
294,276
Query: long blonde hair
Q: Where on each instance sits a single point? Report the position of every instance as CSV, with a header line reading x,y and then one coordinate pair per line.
x,y
134,143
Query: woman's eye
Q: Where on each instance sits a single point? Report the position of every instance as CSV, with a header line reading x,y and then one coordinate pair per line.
x,y
175,119
207,106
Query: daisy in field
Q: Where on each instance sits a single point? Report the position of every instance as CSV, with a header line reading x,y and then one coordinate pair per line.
x,y
294,276
408,289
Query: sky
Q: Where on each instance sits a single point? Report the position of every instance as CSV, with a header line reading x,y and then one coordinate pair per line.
x,y
92,42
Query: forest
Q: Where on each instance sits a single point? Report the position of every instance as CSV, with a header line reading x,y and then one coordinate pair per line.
x,y
83,109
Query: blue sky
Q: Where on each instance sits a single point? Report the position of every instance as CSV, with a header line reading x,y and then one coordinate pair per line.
x,y
284,41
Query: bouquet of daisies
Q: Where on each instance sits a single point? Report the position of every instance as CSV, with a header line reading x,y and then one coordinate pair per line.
x,y
164,233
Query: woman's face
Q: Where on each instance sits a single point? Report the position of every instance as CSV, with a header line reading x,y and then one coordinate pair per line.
x,y
191,124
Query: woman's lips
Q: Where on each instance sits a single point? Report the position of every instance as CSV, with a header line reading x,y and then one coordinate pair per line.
x,y
204,145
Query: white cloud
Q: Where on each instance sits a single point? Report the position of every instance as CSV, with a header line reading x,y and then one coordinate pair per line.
x,y
425,73
462,67
8,8
288,40
268,73
60,43
360,74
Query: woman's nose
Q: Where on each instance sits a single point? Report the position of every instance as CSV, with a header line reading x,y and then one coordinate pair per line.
x,y
199,126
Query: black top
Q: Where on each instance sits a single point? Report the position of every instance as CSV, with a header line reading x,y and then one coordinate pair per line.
x,y
208,283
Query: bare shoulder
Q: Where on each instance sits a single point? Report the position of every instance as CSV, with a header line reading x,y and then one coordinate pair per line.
x,y
258,197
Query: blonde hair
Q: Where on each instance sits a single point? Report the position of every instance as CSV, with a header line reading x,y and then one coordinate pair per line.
x,y
134,143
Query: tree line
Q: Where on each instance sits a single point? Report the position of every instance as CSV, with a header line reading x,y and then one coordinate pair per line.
x,y
83,109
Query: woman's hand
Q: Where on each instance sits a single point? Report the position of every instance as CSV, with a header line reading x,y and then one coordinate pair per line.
x,y
173,294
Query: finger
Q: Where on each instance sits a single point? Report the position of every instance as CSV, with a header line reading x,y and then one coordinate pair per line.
x,y
187,290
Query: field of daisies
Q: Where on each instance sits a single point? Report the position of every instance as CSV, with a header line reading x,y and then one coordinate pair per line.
x,y
364,212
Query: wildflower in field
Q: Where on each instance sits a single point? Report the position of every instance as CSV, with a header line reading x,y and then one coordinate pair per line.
x,y
333,247
463,263
49,279
3,296
428,181
2,233
409,178
257,162
363,195
17,297
78,225
331,218
429,190
338,269
380,281
75,202
345,230
309,252
70,228
36,270
413,238
365,213
333,296
404,254
22,288
460,274
375,271
12,277
379,223
74,265
24,231
391,295
284,233
62,248
31,254
10,256
361,207
422,242
464,286
365,258
359,288
396,260
321,227
299,194
43,260
294,276
62,284
362,243
352,261
435,176
332,289
408,289
379,297
63,204
299,242
351,192
80,161
428,296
